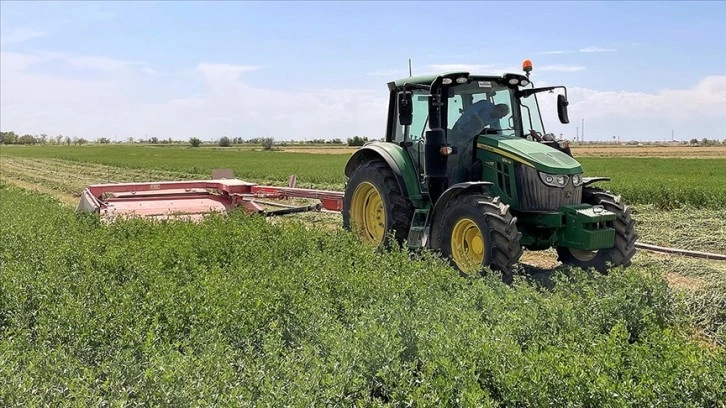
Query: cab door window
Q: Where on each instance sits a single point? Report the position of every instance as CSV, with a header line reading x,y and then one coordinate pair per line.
x,y
456,107
419,125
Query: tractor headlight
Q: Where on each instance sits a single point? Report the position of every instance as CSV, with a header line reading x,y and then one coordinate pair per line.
x,y
554,180
577,180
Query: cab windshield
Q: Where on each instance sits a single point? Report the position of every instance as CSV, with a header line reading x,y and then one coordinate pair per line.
x,y
531,118
481,107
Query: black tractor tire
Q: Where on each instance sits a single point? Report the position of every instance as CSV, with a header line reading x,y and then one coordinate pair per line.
x,y
374,206
625,235
476,231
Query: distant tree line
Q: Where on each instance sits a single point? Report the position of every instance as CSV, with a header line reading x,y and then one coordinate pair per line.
x,y
27,139
267,143
41,139
357,141
226,141
705,142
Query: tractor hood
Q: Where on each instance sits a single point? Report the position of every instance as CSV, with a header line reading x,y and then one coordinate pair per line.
x,y
533,154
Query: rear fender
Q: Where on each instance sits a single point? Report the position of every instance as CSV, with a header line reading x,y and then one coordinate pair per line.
x,y
398,161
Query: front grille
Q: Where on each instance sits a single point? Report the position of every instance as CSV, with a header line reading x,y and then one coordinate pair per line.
x,y
503,180
534,195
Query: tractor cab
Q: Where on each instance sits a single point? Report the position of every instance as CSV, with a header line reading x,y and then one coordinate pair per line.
x,y
468,113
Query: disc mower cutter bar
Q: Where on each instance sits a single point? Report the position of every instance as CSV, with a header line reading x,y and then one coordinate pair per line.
x,y
193,199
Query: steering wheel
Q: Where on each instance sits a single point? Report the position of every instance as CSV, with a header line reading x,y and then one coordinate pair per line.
x,y
536,135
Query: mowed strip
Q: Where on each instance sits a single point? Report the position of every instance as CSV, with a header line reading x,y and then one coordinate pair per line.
x,y
66,179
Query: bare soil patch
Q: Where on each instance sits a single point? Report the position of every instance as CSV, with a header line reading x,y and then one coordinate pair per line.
x,y
540,259
678,281
650,151
320,150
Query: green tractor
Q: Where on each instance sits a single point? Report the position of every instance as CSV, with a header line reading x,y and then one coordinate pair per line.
x,y
467,169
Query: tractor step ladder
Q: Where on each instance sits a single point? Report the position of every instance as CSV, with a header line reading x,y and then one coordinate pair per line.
x,y
418,234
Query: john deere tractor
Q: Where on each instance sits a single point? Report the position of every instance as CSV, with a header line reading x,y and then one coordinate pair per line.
x,y
467,169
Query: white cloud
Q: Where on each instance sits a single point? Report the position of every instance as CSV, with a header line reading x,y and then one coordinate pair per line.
x,y
20,35
452,56
592,49
12,62
475,69
707,99
209,101
433,69
556,52
388,73
212,100
103,64
698,110
561,68
471,68
225,70
19,61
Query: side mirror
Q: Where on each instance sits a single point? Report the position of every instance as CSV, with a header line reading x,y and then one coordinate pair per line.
x,y
405,108
562,108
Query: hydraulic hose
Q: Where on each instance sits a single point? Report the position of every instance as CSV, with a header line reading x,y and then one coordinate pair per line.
x,y
695,254
293,210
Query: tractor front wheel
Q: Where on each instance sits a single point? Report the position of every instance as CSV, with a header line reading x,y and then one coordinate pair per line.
x,y
477,231
623,250
373,205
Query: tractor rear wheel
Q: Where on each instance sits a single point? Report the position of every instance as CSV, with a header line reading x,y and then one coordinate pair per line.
x,y
476,231
373,205
623,250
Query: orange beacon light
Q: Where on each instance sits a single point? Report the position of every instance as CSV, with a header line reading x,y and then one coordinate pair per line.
x,y
527,66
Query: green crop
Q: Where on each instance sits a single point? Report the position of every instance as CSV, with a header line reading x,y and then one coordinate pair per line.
x,y
665,183
237,311
318,169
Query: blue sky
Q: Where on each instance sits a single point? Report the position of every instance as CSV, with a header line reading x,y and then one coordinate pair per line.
x,y
634,70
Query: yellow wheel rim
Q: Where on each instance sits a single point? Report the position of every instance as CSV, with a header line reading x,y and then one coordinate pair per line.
x,y
367,213
467,245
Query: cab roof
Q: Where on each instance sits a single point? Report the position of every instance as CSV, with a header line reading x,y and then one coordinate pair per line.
x,y
428,79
